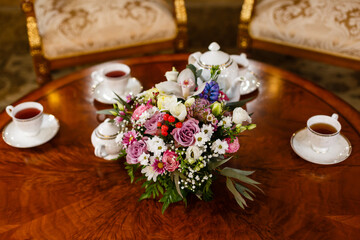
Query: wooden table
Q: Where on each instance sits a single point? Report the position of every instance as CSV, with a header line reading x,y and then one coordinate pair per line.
x,y
60,190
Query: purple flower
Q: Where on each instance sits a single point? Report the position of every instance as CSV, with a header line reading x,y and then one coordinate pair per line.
x,y
211,91
200,109
185,134
151,124
134,151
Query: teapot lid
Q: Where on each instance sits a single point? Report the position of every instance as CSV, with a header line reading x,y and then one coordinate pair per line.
x,y
214,56
107,130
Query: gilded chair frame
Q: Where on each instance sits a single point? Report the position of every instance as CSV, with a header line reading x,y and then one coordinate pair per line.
x,y
245,43
44,66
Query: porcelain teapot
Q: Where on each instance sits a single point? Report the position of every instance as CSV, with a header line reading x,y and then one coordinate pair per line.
x,y
230,77
103,140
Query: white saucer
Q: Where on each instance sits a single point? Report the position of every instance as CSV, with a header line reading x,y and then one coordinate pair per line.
x,y
14,137
108,157
105,95
337,153
250,82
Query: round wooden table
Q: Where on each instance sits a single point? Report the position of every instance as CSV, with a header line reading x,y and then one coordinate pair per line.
x,y
60,190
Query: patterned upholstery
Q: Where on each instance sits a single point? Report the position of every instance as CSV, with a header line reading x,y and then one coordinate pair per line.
x,y
328,26
71,27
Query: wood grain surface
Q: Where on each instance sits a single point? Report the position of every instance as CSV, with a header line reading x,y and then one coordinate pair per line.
x,y
60,190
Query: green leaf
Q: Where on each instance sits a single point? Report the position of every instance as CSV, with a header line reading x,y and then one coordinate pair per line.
x,y
176,181
244,191
105,111
240,175
131,169
118,98
170,196
239,199
192,68
233,172
216,164
145,195
164,207
233,105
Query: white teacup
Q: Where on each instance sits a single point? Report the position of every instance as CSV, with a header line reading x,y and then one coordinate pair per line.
x,y
27,117
116,77
323,132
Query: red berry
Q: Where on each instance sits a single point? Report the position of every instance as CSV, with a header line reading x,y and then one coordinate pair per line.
x,y
171,119
164,128
159,124
164,133
166,116
178,125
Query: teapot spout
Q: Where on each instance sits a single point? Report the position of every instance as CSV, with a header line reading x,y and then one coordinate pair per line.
x,y
233,92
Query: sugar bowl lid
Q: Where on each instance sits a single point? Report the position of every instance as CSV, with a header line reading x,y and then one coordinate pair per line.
x,y
214,56
107,130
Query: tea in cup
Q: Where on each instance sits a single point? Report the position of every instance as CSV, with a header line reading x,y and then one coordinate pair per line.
x,y
116,77
323,132
27,117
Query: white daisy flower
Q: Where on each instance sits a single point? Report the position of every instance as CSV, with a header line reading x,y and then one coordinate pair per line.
x,y
156,145
150,173
226,122
219,146
207,129
144,159
201,138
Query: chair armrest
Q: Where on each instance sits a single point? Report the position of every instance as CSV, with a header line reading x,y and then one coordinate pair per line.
x,y
246,15
181,22
32,30
41,65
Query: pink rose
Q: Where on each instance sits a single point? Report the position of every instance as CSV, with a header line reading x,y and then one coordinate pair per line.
x,y
169,160
233,146
139,110
151,124
134,151
185,134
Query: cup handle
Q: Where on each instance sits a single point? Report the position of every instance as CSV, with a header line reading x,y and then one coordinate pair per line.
x,y
335,116
100,151
9,110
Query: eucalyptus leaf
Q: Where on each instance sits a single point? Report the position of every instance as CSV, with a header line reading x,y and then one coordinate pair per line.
x,y
176,181
241,176
233,171
242,191
218,163
239,199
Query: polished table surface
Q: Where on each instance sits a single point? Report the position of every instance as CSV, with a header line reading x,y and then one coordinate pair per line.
x,y
60,190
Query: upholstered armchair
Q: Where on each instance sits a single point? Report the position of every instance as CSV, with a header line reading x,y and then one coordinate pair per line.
x,y
323,30
64,33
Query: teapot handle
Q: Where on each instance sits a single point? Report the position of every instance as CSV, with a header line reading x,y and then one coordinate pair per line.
x,y
100,151
241,59
194,57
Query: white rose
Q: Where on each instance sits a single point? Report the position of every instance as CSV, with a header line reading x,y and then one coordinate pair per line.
x,y
193,152
178,110
240,115
164,102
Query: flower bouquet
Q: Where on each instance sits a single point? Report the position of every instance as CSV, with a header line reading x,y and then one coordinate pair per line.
x,y
178,134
